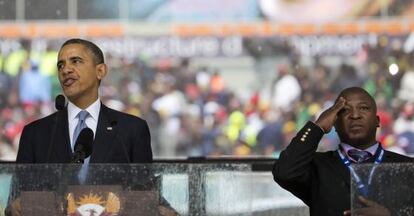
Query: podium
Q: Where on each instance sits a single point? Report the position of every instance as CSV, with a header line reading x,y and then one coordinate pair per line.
x,y
390,186
55,189
114,189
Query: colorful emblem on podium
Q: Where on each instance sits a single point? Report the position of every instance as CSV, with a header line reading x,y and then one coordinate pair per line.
x,y
93,205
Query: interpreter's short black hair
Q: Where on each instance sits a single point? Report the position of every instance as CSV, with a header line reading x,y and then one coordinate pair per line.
x,y
355,89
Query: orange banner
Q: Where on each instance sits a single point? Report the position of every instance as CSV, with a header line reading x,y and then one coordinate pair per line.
x,y
60,30
103,29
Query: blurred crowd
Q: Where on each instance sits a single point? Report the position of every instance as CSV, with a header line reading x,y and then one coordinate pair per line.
x,y
192,112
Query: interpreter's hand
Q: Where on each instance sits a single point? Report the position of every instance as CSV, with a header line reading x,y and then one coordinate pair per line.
x,y
14,209
371,209
166,211
327,119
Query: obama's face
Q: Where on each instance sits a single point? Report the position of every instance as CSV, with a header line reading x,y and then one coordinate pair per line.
x,y
79,74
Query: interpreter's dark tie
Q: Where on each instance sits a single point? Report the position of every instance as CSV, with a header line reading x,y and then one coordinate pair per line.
x,y
359,155
82,115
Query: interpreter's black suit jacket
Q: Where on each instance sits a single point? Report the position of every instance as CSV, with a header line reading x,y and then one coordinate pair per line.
x,y
320,180
120,138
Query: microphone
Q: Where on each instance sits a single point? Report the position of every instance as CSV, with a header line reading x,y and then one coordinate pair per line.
x,y
60,104
83,146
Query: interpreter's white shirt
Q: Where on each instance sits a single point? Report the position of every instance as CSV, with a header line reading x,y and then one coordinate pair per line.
x,y
91,121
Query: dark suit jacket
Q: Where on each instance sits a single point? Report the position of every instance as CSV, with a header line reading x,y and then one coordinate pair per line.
x,y
320,180
120,138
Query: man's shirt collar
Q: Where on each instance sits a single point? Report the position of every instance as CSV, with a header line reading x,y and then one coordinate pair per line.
x,y
346,147
93,110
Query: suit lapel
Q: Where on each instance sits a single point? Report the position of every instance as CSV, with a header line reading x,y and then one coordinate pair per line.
x,y
340,170
104,138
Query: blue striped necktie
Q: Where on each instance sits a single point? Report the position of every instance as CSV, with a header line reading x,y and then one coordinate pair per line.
x,y
82,115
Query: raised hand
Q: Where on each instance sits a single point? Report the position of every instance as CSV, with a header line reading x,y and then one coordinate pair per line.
x,y
371,209
327,119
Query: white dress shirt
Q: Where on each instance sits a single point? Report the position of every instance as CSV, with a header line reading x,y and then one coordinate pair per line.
x,y
91,121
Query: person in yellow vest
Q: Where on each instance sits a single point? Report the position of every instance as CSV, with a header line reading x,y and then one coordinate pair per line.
x,y
14,61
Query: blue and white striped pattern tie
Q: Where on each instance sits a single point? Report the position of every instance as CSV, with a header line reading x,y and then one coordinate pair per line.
x,y
82,115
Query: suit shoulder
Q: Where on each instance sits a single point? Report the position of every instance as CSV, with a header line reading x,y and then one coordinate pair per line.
x,y
395,157
323,156
124,116
42,121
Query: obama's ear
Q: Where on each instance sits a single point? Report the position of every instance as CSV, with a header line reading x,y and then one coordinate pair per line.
x,y
101,71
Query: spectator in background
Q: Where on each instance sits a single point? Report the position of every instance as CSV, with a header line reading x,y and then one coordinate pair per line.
x,y
1,61
7,152
235,125
285,89
14,61
12,123
407,87
169,106
404,128
210,133
406,142
47,67
386,133
5,84
405,119
33,86
216,83
346,77
270,138
320,80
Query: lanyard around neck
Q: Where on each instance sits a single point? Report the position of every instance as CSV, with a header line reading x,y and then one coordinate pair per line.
x,y
361,186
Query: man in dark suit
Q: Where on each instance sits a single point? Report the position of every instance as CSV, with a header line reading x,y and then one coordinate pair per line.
x,y
119,137
322,180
